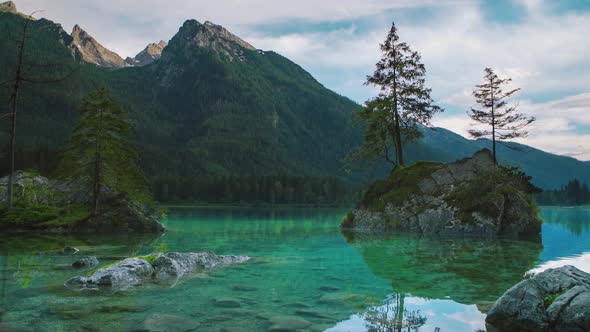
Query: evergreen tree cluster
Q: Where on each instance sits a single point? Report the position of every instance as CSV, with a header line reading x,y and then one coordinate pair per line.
x,y
281,189
574,193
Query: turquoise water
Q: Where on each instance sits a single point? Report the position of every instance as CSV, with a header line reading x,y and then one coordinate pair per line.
x,y
303,271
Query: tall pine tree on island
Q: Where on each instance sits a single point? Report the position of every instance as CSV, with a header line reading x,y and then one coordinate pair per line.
x,y
503,121
393,118
99,155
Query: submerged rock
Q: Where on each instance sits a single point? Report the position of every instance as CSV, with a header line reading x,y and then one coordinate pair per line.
x,y
468,197
288,323
70,250
174,265
244,288
86,262
227,303
551,301
127,273
164,322
157,267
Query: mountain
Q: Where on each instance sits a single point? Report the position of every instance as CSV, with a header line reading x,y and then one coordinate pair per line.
x,y
150,54
93,52
213,107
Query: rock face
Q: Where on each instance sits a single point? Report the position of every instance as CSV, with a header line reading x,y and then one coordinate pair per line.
x,y
29,186
554,300
92,51
150,54
439,199
194,38
157,267
8,6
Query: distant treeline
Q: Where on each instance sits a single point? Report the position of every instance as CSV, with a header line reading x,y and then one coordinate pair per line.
x,y
574,193
228,189
256,190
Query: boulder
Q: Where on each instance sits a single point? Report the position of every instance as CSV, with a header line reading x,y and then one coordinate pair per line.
x,y
551,301
86,262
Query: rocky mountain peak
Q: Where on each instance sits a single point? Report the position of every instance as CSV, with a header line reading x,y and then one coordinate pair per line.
x,y
195,35
92,51
149,54
8,6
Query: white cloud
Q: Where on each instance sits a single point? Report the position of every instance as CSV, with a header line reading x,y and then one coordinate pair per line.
x,y
127,26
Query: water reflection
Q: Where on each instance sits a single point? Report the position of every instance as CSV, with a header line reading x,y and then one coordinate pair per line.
x,y
468,271
576,219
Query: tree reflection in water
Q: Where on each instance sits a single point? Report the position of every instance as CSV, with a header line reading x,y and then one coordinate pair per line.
x,y
393,317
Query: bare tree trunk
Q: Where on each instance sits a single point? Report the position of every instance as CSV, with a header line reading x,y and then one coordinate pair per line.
x,y
493,123
399,315
14,100
398,140
12,150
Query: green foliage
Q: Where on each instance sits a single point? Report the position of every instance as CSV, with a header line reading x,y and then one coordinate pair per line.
x,y
149,258
404,103
486,193
549,299
348,221
98,154
41,216
401,184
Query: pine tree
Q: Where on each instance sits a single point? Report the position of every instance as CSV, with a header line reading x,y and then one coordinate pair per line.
x,y
504,122
404,103
99,155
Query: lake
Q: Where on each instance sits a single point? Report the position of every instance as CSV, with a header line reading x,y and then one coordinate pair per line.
x,y
303,272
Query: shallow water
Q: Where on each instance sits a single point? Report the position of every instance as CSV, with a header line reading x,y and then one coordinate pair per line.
x,y
302,268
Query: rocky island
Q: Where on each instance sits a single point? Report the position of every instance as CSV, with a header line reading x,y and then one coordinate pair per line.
x,y
55,206
471,197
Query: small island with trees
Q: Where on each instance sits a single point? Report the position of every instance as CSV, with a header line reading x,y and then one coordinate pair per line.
x,y
475,196
99,186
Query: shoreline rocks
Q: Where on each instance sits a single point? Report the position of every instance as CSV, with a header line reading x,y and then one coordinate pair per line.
x,y
551,301
155,268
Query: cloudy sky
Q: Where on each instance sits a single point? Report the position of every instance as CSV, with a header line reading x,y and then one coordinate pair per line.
x,y
541,44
